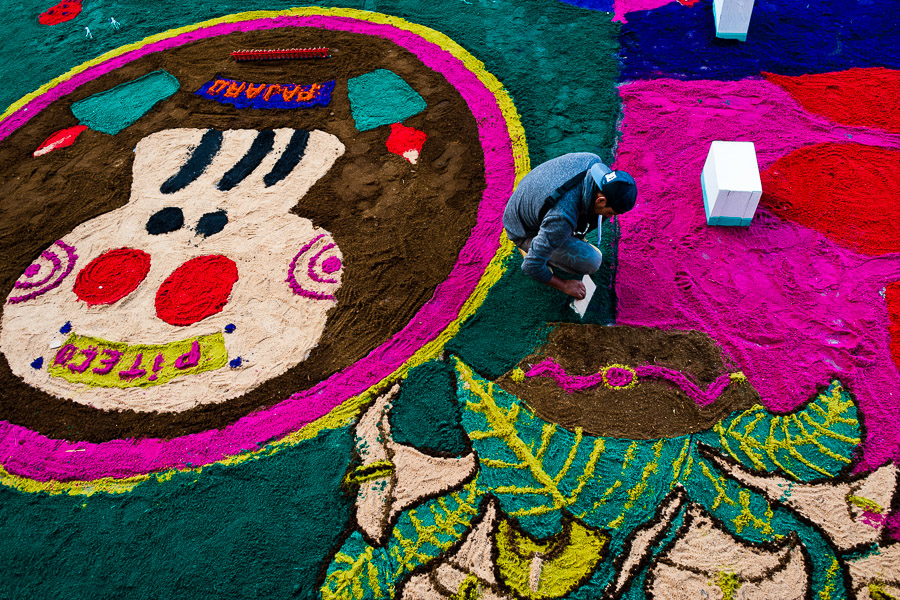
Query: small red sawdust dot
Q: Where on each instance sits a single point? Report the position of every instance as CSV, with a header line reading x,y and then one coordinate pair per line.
x,y
195,290
60,13
112,276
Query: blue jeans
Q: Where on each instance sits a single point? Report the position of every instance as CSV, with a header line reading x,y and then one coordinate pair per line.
x,y
575,256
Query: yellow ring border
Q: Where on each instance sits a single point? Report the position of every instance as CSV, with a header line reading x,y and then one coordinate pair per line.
x,y
347,410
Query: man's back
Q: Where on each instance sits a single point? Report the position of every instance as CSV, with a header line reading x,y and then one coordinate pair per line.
x,y
522,215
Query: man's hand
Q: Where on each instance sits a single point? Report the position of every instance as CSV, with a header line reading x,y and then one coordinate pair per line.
x,y
572,287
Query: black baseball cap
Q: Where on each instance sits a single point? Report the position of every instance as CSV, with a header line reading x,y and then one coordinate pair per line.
x,y
618,187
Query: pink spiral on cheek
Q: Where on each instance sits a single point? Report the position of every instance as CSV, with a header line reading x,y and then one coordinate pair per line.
x,y
332,264
61,265
312,265
314,284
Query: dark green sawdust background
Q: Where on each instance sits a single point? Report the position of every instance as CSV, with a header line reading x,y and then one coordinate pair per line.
x,y
268,527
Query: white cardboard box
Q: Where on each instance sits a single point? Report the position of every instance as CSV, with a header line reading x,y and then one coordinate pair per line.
x,y
731,184
732,18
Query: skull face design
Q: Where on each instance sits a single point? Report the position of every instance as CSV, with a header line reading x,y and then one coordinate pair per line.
x,y
200,288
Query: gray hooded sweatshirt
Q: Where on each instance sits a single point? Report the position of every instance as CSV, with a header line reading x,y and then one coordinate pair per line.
x,y
521,217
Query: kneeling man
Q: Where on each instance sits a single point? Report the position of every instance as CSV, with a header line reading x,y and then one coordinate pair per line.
x,y
555,206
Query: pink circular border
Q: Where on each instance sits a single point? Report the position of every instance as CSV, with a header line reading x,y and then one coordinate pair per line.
x,y
29,454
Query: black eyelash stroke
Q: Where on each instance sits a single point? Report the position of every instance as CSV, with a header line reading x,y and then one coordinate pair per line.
x,y
201,158
261,147
289,159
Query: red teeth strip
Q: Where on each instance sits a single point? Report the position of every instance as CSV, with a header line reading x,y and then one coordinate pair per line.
x,y
285,53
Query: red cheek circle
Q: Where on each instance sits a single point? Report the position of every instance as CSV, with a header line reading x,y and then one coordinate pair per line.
x,y
195,290
112,276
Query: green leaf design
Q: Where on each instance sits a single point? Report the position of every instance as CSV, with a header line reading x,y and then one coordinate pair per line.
x,y
359,571
814,442
538,469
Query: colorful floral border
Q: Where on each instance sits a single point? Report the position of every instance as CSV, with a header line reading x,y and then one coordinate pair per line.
x,y
35,463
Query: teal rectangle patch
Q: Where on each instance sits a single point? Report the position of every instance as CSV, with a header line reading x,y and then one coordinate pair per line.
x,y
117,108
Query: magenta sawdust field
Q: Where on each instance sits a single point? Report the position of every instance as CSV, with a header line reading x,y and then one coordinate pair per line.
x,y
732,436
793,307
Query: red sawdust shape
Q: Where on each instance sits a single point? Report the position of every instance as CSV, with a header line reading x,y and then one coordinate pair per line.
x,y
845,191
112,276
195,290
892,296
404,139
60,139
60,13
857,97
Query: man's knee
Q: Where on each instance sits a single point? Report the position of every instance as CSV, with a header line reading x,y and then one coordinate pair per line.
x,y
589,259
589,264
594,264
583,261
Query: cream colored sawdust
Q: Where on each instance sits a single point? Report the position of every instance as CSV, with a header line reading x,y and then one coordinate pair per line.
x,y
879,572
642,539
470,564
415,475
275,328
702,556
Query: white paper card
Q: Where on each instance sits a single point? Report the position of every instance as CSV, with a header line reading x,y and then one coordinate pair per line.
x,y
580,306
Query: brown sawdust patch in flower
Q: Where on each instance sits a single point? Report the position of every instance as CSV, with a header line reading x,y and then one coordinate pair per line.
x,y
650,409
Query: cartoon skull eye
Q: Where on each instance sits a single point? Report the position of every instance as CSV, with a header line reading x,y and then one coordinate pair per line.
x,y
166,220
212,223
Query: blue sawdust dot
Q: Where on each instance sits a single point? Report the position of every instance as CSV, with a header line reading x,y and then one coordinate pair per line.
x,y
235,363
230,328
37,363
66,328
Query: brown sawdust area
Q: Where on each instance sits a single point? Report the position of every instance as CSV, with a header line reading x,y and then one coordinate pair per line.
x,y
400,226
650,409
